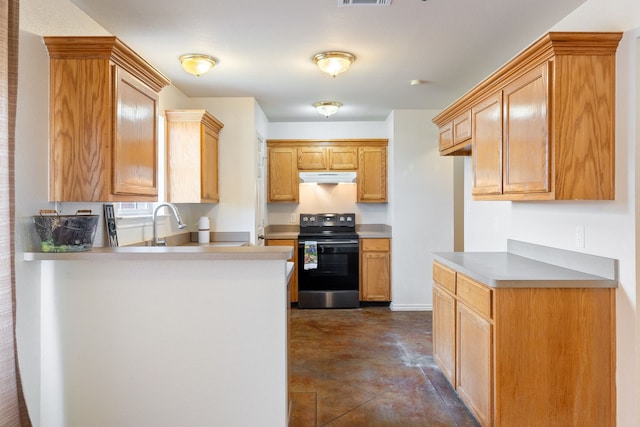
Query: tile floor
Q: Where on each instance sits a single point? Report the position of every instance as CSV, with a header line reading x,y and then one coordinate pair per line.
x,y
368,367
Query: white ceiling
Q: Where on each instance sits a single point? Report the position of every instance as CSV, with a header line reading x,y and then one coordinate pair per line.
x,y
264,48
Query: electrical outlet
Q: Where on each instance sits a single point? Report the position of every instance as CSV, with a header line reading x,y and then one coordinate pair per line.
x,y
292,218
579,236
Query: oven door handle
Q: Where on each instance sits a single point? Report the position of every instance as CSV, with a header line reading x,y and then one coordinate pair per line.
x,y
330,242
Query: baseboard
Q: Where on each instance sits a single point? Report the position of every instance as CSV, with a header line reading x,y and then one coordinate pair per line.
x,y
410,307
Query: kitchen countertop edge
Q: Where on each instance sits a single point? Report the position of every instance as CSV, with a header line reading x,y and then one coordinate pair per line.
x,y
165,253
509,270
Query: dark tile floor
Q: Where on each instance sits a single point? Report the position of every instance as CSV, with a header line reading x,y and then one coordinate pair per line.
x,y
368,367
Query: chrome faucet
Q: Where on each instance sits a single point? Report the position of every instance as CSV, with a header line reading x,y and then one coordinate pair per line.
x,y
163,242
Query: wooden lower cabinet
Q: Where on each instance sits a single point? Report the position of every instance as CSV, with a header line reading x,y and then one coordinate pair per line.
x,y
293,282
474,362
527,357
375,270
444,332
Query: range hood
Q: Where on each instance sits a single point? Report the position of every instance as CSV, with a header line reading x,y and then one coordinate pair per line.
x,y
328,177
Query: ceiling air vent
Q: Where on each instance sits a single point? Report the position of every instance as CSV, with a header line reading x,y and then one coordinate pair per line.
x,y
364,2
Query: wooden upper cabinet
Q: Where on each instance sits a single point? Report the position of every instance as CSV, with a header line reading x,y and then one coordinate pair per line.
x,y
312,158
367,157
462,128
282,180
557,130
343,158
445,139
526,156
372,174
192,156
487,146
327,158
103,109
135,148
456,134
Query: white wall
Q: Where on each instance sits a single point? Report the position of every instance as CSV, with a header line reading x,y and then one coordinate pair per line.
x,y
237,165
422,188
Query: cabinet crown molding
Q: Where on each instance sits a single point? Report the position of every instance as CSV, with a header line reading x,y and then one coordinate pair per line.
x,y
193,116
550,45
374,142
108,48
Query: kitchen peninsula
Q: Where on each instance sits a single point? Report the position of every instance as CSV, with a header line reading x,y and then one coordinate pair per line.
x,y
164,336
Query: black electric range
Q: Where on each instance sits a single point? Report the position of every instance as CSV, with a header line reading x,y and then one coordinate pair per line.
x,y
328,261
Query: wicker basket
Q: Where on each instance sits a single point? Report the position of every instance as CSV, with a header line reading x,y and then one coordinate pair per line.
x,y
65,233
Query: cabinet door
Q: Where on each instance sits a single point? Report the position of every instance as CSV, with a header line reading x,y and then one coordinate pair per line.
x,y
293,282
312,158
376,276
445,140
444,332
283,175
526,127
372,174
80,120
343,158
487,146
135,147
474,363
209,161
462,128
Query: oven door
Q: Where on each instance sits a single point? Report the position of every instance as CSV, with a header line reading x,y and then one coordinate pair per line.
x,y
335,280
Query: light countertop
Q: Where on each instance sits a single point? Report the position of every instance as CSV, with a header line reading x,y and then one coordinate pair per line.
x,y
188,251
526,265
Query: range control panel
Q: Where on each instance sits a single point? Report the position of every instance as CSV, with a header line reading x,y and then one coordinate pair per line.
x,y
328,220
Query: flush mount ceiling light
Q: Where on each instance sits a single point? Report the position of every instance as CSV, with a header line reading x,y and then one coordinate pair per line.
x,y
197,64
334,63
327,108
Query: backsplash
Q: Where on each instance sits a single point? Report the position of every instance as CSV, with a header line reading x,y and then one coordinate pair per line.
x,y
339,198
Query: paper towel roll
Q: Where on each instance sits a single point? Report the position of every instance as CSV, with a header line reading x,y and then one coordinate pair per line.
x,y
203,230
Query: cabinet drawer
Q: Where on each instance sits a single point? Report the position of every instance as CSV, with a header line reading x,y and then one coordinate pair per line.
x,y
382,245
475,295
445,277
